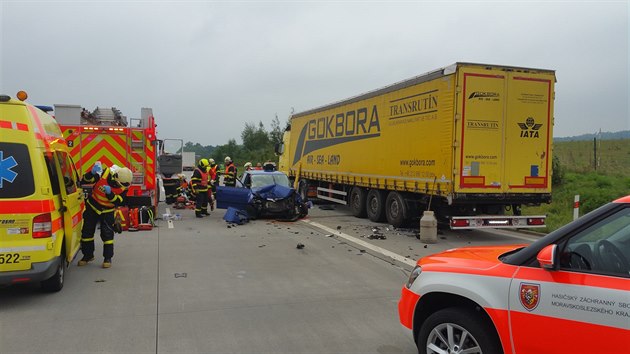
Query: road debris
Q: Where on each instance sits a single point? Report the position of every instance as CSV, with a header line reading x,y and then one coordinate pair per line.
x,y
299,246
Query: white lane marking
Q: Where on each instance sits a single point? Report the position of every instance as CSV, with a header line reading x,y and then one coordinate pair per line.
x,y
170,224
362,243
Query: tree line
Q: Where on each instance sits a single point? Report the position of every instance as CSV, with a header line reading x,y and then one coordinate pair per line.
x,y
258,145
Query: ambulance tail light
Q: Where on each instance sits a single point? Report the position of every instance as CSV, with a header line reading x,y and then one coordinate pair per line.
x,y
535,221
42,226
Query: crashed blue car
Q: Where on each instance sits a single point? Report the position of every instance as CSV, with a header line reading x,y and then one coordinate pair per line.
x,y
263,193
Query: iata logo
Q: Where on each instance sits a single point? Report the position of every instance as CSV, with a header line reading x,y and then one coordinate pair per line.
x,y
530,128
529,295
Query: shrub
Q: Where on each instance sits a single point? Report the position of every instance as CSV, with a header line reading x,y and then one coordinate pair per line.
x,y
557,174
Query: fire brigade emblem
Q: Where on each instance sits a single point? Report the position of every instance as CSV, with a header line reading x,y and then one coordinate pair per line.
x,y
529,295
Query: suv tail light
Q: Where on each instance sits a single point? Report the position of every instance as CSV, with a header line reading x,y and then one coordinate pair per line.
x,y
42,226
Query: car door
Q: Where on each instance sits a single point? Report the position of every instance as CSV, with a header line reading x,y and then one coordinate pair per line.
x,y
584,305
72,201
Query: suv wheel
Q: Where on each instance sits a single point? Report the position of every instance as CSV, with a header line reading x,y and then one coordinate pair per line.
x,y
457,330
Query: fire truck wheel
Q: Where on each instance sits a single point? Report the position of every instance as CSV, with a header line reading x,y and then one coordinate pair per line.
x,y
357,202
457,330
55,283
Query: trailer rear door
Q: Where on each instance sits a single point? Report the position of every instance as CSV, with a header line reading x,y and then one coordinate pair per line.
x,y
503,133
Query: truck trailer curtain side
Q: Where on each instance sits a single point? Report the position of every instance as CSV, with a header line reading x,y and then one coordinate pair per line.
x,y
473,139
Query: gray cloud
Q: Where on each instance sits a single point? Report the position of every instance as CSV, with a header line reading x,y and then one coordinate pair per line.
x,y
206,68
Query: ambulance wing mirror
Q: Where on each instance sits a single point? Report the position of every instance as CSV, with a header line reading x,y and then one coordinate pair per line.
x,y
547,257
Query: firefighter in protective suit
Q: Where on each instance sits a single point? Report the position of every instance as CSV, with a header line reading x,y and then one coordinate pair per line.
x,y
109,191
199,183
213,178
229,179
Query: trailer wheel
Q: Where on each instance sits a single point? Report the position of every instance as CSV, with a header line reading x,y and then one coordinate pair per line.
x,y
395,209
375,205
357,202
303,189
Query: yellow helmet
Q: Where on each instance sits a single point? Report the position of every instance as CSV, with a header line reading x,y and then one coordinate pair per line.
x,y
203,163
123,176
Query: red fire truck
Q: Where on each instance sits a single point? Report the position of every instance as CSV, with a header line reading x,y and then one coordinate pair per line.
x,y
105,135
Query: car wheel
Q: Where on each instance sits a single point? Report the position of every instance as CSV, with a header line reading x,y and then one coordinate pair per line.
x,y
457,330
55,283
395,209
357,202
375,205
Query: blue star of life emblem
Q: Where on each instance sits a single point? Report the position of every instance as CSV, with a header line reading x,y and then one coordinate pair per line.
x,y
5,168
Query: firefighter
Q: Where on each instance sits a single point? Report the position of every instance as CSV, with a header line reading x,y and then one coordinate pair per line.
x,y
230,173
248,166
183,184
199,186
109,190
212,175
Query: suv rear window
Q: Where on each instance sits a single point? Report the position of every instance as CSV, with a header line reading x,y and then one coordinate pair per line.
x,y
16,173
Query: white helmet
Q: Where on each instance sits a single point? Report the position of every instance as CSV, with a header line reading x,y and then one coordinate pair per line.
x,y
123,176
247,164
211,160
228,159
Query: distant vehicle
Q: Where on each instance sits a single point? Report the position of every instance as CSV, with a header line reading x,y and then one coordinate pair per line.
x,y
263,193
471,142
188,160
568,292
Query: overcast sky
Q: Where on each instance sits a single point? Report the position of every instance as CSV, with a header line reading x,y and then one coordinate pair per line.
x,y
207,67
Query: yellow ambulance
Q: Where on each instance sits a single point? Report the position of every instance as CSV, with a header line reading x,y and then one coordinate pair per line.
x,y
41,202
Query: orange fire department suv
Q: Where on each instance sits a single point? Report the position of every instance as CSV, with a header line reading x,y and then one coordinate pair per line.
x,y
568,292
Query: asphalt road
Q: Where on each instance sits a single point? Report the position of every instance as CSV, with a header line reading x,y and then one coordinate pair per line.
x,y
203,286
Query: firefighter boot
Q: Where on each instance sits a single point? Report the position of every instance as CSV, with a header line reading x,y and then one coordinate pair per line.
x,y
107,263
85,260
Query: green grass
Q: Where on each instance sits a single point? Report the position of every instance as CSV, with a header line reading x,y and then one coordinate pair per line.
x,y
610,181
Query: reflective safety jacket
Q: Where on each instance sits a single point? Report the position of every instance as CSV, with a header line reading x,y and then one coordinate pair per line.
x,y
212,171
230,175
199,181
100,201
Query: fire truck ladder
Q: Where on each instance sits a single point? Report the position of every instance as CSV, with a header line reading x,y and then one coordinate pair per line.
x,y
137,154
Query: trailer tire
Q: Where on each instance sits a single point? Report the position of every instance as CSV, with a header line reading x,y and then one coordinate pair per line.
x,y
303,189
395,209
375,205
357,202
